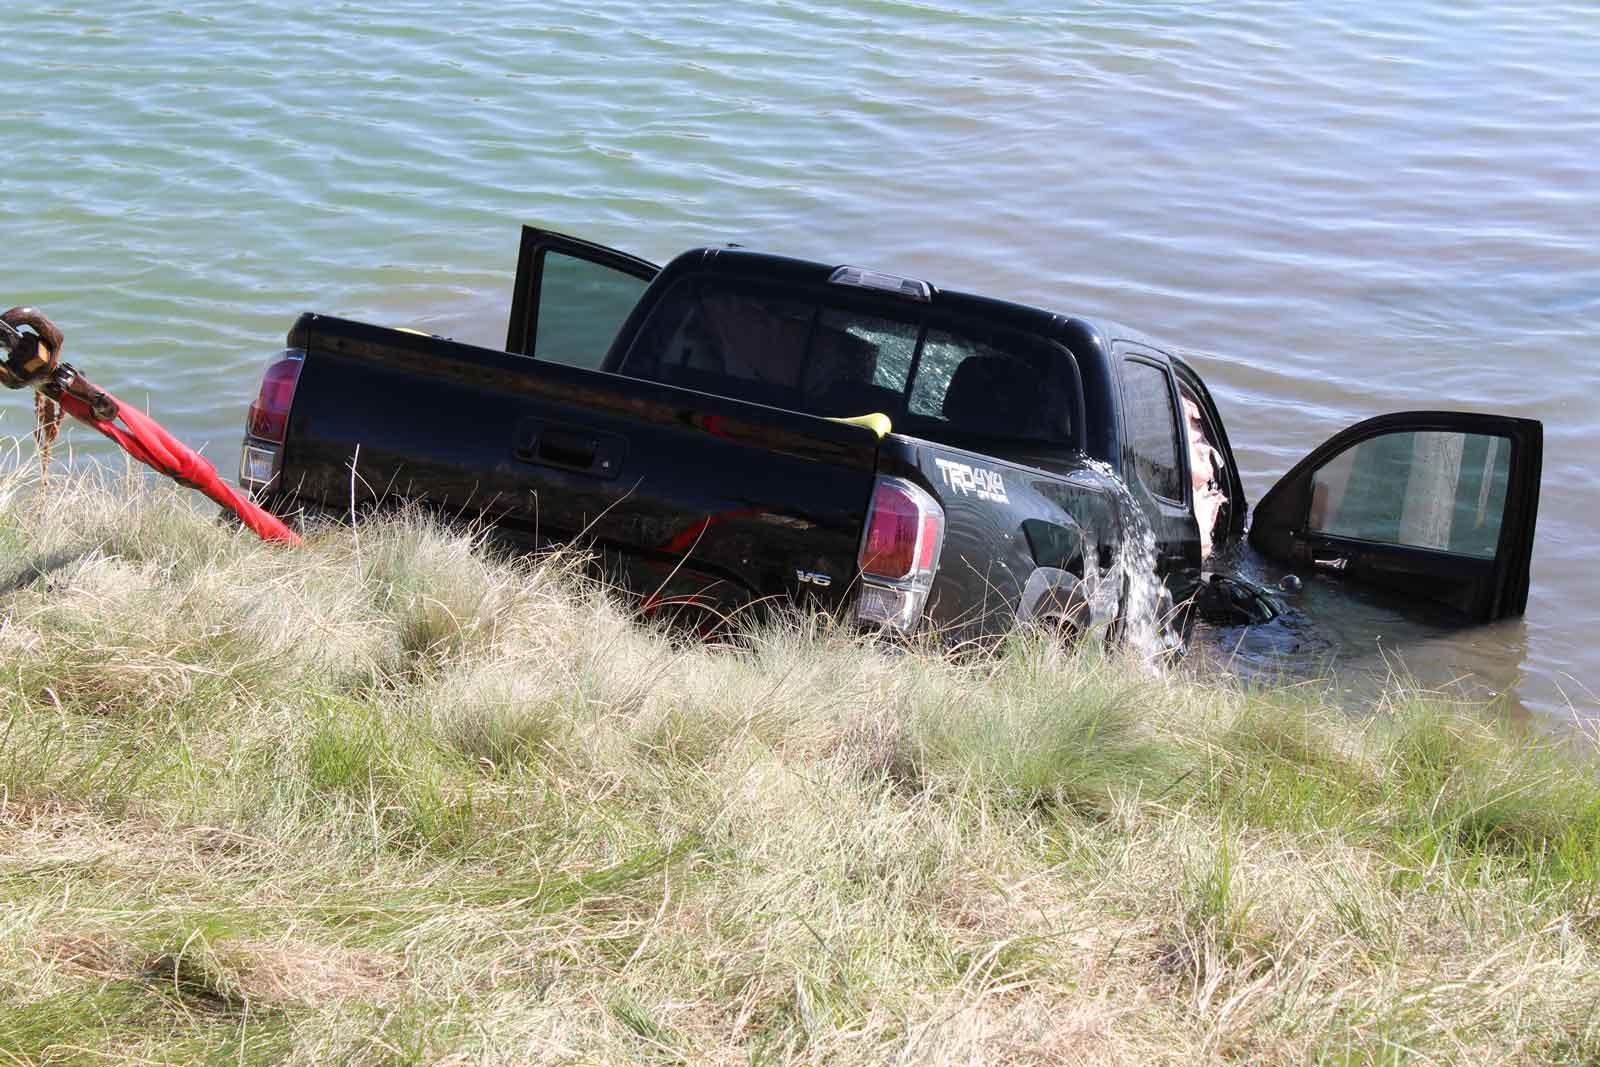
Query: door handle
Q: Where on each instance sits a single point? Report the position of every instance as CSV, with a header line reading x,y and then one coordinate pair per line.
x,y
569,448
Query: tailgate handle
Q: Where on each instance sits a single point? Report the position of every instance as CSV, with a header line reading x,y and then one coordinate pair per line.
x,y
565,449
570,448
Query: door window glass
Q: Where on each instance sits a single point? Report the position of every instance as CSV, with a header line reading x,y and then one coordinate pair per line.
x,y
581,307
1432,489
1153,429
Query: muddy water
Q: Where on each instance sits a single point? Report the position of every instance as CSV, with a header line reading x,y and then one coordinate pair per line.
x,y
1335,208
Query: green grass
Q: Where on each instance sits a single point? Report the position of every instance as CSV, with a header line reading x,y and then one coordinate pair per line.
x,y
392,799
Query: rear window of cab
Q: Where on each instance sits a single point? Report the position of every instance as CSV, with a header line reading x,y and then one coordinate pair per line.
x,y
806,352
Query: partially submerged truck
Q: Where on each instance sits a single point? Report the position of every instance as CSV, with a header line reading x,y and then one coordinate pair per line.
x,y
738,428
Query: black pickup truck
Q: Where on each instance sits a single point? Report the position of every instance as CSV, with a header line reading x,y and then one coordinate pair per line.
x,y
737,428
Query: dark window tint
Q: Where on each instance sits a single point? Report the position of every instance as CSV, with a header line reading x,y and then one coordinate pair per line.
x,y
758,344
776,350
994,386
1431,489
581,307
1153,429
857,364
745,344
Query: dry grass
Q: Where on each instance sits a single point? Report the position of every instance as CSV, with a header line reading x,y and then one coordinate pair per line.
x,y
395,800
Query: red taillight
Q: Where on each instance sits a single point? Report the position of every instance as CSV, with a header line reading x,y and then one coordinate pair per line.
x,y
899,554
269,412
890,550
932,535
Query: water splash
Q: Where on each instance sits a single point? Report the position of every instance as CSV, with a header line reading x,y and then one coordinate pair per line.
x,y
1145,617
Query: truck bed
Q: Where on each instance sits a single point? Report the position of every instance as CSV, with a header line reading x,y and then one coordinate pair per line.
x,y
682,493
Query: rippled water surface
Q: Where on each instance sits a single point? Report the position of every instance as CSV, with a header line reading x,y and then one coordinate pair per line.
x,y
1336,209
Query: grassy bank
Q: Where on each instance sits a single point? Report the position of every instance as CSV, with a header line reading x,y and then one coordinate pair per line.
x,y
390,800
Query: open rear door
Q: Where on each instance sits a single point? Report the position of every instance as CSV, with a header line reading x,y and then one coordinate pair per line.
x,y
1428,504
571,297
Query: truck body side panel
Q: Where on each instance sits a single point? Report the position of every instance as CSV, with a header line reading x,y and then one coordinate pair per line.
x,y
1005,520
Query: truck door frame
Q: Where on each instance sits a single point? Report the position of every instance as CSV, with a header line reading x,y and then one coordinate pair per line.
x,y
523,330
1177,534
1483,588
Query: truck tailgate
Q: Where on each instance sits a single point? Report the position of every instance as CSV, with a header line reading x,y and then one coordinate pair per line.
x,y
682,492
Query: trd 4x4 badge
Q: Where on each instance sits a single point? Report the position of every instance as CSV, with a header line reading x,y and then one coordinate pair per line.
x,y
968,479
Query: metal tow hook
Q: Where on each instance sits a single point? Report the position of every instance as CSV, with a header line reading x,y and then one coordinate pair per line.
x,y
33,360
30,357
67,380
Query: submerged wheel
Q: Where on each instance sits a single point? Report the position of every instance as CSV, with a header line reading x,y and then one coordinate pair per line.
x,y
1065,610
1068,629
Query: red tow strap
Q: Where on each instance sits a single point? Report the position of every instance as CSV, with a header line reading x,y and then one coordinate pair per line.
x,y
147,441
33,360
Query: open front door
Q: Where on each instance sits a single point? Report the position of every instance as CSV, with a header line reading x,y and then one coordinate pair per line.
x,y
571,297
1192,390
1428,504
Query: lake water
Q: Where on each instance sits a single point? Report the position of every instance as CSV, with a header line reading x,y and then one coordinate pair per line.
x,y
1335,209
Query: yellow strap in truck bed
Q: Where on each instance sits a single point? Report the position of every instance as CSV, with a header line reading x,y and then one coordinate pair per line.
x,y
877,422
